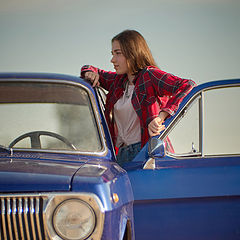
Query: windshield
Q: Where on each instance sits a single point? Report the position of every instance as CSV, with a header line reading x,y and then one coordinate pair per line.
x,y
47,116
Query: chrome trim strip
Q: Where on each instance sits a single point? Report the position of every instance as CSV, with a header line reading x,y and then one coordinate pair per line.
x,y
9,219
25,212
221,86
201,124
32,209
20,216
183,156
45,202
3,209
38,218
14,213
102,110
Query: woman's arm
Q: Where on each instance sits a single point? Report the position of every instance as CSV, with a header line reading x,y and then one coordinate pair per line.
x,y
96,76
167,84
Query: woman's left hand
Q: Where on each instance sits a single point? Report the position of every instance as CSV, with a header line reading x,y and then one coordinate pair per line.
x,y
155,126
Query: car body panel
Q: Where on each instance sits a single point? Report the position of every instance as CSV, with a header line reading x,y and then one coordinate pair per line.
x,y
189,218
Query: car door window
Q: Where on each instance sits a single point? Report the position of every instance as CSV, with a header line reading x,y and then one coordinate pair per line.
x,y
184,137
210,125
222,130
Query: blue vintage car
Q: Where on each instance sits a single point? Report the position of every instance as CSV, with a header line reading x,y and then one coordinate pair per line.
x,y
59,178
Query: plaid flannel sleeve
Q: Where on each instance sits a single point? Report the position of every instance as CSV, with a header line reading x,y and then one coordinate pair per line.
x,y
167,84
106,78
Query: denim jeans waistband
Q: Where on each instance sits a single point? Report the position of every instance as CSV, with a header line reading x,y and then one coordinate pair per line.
x,y
130,147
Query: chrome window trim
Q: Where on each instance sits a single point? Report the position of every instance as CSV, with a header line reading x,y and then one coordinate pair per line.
x,y
208,89
102,108
178,117
102,137
201,124
221,86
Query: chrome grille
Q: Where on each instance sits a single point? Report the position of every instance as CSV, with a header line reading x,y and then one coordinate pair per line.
x,y
21,218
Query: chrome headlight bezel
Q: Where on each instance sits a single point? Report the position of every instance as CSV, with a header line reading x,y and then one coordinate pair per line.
x,y
90,200
66,216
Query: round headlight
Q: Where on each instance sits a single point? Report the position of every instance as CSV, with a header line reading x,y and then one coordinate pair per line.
x,y
74,220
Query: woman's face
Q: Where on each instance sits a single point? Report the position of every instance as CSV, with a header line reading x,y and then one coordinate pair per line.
x,y
118,59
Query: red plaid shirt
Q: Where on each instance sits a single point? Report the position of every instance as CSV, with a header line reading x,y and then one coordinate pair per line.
x,y
154,91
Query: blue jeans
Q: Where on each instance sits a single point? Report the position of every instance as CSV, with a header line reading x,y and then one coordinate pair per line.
x,y
128,153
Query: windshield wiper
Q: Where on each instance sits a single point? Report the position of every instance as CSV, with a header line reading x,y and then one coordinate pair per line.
x,y
6,149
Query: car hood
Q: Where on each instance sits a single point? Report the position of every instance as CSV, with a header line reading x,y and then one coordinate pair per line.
x,y
17,175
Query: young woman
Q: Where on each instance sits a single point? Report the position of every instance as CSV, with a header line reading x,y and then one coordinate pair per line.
x,y
140,95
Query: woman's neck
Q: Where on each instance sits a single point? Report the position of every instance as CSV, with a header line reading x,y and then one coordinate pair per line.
x,y
131,78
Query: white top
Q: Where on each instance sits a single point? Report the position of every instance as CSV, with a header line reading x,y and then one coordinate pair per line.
x,y
127,121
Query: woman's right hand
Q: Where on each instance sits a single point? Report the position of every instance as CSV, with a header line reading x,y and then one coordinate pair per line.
x,y
93,78
155,127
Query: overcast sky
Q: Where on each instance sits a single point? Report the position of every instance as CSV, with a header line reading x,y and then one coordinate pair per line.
x,y
197,39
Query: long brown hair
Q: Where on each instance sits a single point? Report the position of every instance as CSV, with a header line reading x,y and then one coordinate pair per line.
x,y
134,47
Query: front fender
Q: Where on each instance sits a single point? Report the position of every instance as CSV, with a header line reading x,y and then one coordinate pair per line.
x,y
114,190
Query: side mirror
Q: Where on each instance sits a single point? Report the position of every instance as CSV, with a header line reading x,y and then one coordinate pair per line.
x,y
156,149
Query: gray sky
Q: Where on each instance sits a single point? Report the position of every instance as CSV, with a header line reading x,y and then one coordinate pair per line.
x,y
197,39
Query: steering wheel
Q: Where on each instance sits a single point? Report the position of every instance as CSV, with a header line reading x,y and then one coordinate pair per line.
x,y
35,139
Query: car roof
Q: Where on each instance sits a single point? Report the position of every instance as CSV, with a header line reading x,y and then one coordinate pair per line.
x,y
47,76
210,85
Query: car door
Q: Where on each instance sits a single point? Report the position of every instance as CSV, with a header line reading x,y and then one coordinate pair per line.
x,y
193,192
